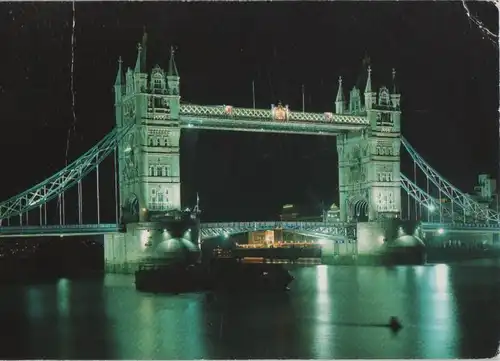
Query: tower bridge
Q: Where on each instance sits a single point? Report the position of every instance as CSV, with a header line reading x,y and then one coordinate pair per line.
x,y
146,152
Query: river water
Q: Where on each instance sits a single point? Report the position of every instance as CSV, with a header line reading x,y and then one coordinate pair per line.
x,y
447,311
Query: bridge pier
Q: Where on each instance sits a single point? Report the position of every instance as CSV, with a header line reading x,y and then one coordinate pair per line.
x,y
148,243
390,241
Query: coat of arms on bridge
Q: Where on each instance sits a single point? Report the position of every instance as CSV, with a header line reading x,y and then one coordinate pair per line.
x,y
280,112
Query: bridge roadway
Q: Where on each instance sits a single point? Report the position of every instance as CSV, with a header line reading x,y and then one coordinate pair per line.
x,y
209,230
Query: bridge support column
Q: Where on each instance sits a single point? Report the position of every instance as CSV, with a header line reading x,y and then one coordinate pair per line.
x,y
390,241
124,252
150,243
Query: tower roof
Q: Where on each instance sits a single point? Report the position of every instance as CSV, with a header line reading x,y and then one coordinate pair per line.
x,y
138,60
119,75
340,92
172,68
395,85
368,87
144,51
140,63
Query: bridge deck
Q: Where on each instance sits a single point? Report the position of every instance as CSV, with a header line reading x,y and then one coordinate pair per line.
x,y
319,229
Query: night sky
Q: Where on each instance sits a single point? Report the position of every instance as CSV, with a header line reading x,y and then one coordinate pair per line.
x,y
446,65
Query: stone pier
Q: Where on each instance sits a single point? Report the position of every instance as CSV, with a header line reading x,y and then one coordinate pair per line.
x,y
147,242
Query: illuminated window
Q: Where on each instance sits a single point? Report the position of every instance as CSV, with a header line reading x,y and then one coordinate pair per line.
x,y
383,96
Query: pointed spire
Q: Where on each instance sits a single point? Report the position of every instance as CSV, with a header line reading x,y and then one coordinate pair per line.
x,y
368,87
340,92
395,87
138,61
119,74
143,52
172,68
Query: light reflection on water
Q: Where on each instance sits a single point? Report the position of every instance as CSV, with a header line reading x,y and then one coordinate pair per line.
x,y
331,312
323,328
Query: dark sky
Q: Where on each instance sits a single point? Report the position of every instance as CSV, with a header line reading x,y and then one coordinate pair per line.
x,y
447,67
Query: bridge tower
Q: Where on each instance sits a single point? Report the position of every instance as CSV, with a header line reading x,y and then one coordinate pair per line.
x,y
148,166
149,175
369,160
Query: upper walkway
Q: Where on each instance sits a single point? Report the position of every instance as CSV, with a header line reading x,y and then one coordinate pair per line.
x,y
274,120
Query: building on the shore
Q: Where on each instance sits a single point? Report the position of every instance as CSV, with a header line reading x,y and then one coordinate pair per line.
x,y
293,213
485,192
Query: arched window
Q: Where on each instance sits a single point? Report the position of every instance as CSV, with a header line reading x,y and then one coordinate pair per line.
x,y
166,142
159,171
383,98
153,196
151,171
151,142
167,172
157,142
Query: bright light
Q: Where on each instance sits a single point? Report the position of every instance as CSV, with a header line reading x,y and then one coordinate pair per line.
x,y
128,149
440,231
323,242
431,207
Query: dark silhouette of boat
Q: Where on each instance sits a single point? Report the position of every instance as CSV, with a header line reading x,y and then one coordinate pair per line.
x,y
219,275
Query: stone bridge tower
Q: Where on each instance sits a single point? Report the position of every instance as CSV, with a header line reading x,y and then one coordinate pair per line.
x,y
148,157
369,160
149,169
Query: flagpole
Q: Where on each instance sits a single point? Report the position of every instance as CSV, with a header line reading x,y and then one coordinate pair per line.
x,y
253,93
303,100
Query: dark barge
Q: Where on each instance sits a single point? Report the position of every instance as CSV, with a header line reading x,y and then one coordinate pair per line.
x,y
220,275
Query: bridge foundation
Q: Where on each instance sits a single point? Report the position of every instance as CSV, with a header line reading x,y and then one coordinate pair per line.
x,y
390,241
148,243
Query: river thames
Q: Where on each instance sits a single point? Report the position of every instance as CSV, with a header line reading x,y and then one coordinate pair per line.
x,y
447,311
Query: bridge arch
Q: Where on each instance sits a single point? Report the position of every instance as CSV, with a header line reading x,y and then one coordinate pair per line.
x,y
130,210
358,209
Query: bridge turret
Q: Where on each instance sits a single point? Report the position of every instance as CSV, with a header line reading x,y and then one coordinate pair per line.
x,y
173,75
370,95
140,78
173,83
119,82
395,94
340,100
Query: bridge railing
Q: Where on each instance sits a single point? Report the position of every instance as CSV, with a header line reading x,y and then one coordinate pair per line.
x,y
67,226
275,224
460,225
